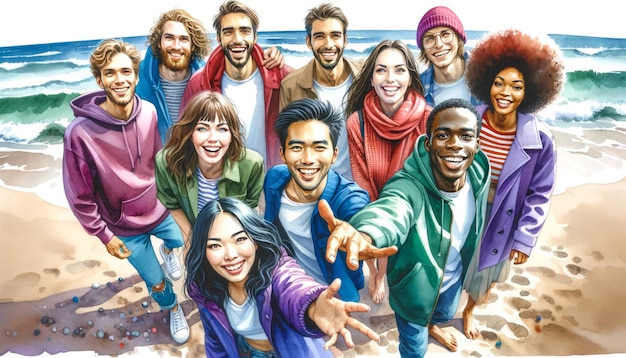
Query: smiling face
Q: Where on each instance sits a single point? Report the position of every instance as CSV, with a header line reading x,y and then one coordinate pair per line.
x,y
229,249
327,42
211,139
118,79
308,153
390,79
237,38
507,91
175,46
441,54
452,146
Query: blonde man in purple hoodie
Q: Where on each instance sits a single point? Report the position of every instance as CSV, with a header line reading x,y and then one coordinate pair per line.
x,y
108,175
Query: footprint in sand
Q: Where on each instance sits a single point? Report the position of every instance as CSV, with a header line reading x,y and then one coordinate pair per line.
x,y
27,279
533,314
548,299
518,330
517,303
549,273
82,266
109,274
597,256
569,293
52,271
520,280
577,259
576,270
560,254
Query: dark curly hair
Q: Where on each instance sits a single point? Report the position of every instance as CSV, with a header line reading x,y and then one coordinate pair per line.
x,y
538,59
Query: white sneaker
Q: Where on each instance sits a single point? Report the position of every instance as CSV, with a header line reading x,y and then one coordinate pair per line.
x,y
172,264
179,329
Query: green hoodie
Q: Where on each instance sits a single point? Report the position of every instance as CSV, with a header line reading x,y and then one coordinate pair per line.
x,y
412,214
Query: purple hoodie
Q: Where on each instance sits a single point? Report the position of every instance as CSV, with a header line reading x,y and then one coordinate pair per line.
x,y
108,168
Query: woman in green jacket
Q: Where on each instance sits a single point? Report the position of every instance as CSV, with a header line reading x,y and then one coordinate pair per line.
x,y
204,159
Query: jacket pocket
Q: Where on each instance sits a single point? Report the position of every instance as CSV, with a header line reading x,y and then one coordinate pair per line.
x,y
413,294
141,210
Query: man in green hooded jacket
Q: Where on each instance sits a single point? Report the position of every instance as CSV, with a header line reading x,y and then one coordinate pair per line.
x,y
433,211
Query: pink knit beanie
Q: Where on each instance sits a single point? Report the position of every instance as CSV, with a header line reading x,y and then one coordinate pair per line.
x,y
439,16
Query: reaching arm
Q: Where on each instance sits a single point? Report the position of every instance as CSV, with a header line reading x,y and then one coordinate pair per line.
x,y
357,245
332,316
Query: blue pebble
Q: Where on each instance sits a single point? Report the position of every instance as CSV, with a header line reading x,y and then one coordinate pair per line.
x,y
538,319
36,332
498,344
75,299
66,331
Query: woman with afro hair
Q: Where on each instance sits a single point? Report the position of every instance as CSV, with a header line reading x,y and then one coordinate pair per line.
x,y
516,75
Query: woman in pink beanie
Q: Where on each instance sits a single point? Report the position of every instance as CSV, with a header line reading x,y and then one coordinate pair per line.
x,y
441,39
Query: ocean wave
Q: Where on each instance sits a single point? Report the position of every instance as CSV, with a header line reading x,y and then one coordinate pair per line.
x,y
43,66
601,86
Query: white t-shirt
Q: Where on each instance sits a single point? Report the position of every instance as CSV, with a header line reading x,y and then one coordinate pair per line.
x,y
337,97
244,319
457,89
463,207
249,101
296,220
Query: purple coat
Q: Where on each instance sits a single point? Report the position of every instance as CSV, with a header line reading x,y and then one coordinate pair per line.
x,y
522,199
291,291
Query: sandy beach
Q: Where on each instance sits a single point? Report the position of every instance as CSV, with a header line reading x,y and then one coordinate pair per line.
x,y
61,292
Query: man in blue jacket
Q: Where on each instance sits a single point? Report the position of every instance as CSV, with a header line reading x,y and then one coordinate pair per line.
x,y
308,130
178,46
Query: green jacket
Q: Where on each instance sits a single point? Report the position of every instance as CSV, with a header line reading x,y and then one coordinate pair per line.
x,y
411,214
242,180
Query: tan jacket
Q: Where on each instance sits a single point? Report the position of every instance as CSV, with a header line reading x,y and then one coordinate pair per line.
x,y
299,83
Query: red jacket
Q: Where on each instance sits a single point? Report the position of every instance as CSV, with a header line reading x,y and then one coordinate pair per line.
x,y
210,78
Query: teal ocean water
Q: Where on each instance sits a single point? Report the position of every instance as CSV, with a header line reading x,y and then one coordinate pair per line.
x,y
37,82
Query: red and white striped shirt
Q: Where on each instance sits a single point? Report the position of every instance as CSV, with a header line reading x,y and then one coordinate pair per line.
x,y
496,145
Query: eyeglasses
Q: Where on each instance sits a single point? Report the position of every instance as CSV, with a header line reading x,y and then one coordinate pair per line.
x,y
445,36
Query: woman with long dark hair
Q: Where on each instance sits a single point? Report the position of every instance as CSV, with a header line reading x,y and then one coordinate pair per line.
x,y
254,299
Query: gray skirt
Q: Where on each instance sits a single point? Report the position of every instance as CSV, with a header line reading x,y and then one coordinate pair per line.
x,y
477,283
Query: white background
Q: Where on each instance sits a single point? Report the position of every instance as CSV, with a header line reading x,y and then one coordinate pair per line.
x,y
35,21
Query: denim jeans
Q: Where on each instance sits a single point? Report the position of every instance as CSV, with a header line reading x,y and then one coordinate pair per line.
x,y
144,259
245,350
414,337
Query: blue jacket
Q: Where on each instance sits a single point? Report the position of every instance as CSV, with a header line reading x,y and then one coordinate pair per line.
x,y
522,199
345,199
428,80
282,310
150,89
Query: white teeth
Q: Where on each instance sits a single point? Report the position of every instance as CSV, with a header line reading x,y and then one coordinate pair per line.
x,y
455,160
308,171
234,267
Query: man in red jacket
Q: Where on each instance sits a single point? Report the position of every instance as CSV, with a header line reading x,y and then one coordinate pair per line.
x,y
235,69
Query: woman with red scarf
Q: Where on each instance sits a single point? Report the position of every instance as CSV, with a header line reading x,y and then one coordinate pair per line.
x,y
387,113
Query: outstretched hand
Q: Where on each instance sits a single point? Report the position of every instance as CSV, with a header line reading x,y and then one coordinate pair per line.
x,y
345,237
332,316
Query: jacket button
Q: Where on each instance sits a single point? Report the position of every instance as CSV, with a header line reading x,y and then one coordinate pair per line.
x,y
501,231
509,212
494,251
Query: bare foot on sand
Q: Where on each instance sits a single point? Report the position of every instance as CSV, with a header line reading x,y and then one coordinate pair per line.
x,y
445,338
376,289
469,328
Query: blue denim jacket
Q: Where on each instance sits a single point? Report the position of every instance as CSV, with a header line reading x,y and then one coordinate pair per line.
x,y
345,199
428,80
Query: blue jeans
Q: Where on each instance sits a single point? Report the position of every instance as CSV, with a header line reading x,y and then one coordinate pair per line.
x,y
245,350
414,337
146,263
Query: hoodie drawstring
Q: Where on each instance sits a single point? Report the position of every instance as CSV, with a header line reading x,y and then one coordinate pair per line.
x,y
441,231
127,146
